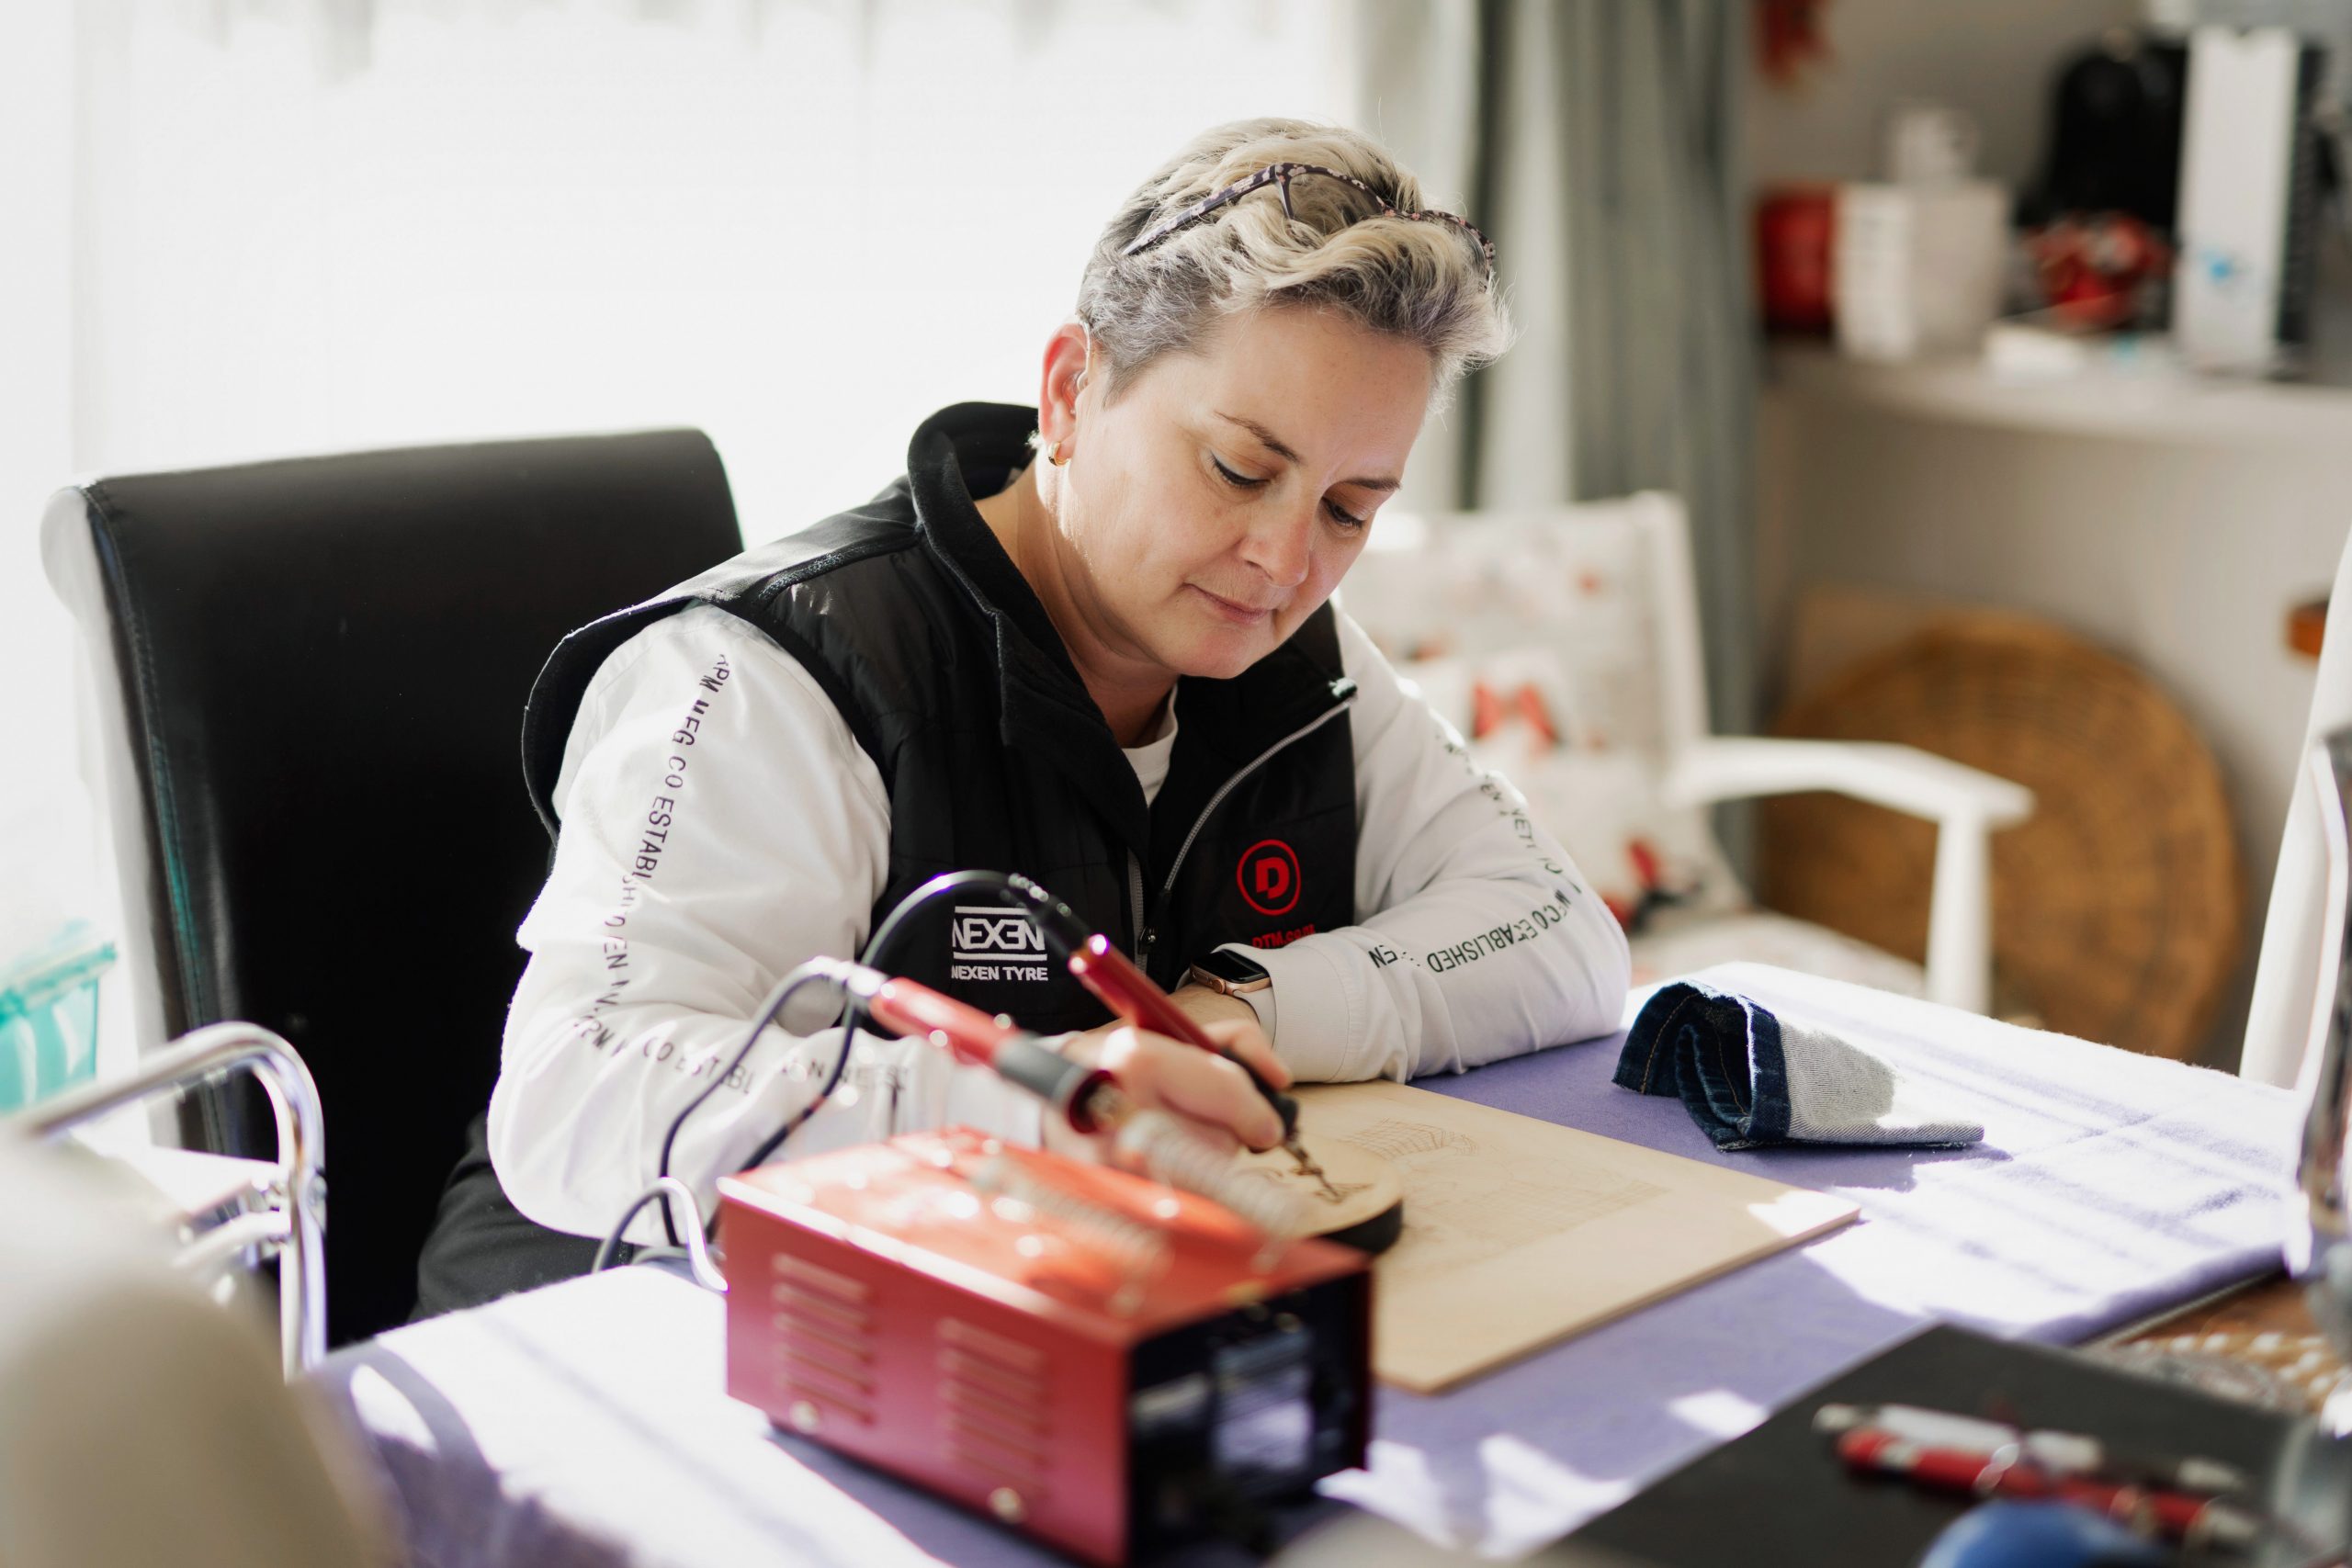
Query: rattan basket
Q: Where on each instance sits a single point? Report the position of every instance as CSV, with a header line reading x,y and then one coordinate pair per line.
x,y
2116,907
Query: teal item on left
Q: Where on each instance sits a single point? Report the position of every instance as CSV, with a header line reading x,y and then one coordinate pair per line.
x,y
49,1015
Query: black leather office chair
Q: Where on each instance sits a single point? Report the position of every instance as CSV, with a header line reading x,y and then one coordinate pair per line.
x,y
310,679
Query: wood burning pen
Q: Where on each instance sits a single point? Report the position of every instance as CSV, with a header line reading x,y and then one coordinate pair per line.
x,y
1087,1099
1126,989
2196,1517
2061,1453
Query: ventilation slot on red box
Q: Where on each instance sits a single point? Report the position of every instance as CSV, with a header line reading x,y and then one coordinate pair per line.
x,y
994,1413
824,1338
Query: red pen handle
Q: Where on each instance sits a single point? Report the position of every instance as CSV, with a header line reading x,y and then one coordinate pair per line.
x,y
1126,991
1016,1055
969,1034
1132,994
2177,1514
1122,985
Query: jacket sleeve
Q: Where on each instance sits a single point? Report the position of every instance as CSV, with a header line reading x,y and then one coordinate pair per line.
x,y
719,826
1478,939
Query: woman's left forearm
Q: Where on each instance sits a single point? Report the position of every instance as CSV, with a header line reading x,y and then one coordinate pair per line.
x,y
1470,970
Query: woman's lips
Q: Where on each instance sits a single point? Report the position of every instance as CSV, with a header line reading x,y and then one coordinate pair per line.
x,y
1238,614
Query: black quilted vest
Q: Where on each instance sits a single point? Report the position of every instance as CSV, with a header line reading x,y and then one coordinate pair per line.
x,y
914,621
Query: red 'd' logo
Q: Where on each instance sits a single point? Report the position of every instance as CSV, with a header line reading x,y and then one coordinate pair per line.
x,y
1269,877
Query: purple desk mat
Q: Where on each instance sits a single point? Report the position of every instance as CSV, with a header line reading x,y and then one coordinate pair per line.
x,y
585,1424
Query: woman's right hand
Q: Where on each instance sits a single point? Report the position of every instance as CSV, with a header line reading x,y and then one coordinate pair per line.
x,y
1209,1092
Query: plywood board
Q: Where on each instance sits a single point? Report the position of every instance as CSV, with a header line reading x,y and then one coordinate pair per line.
x,y
1518,1233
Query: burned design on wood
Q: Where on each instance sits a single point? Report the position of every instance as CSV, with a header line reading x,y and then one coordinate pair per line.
x,y
1321,1192
1401,1140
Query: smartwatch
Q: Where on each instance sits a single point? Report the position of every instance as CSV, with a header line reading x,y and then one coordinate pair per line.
x,y
1234,973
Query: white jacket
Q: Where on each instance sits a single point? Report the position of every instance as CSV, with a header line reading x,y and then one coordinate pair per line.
x,y
773,848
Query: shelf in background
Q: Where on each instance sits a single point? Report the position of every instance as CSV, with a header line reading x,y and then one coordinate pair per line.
x,y
2154,404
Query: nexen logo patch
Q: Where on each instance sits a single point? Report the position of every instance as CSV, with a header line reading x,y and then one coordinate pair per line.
x,y
994,944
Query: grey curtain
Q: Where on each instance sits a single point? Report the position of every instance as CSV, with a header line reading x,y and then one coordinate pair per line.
x,y
1597,142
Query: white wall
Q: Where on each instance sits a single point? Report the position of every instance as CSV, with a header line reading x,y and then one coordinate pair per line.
x,y
249,228
49,863
799,227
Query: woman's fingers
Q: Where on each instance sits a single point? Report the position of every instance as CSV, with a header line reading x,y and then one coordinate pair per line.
x,y
1216,1013
1155,1070
1247,1041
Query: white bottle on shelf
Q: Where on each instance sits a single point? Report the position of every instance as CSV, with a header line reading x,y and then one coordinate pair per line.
x,y
1919,258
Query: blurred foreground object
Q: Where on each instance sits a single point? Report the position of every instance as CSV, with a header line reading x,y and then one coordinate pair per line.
x,y
1565,643
283,1211
2116,908
139,1422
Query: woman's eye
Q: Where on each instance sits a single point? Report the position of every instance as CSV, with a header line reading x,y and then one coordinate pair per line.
x,y
1339,515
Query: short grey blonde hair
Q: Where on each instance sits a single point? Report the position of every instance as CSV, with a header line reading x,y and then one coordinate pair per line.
x,y
1422,282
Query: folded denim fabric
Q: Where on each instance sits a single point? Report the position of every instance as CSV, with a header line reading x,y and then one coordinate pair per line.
x,y
1751,1081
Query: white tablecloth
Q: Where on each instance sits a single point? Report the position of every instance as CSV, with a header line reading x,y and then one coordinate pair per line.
x,y
585,1423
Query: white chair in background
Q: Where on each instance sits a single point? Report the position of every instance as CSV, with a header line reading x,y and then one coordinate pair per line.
x,y
1585,619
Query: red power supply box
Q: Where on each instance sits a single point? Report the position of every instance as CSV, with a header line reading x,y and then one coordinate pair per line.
x,y
1105,1363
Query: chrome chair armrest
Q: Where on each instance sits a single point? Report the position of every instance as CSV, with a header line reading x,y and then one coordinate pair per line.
x,y
299,1188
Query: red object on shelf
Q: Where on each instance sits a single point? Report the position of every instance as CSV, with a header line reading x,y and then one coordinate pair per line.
x,y
1797,228
2096,268
1788,37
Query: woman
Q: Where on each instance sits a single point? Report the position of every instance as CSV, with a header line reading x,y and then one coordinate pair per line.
x,y
1114,670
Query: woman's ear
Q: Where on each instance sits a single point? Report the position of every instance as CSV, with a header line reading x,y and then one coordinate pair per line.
x,y
1068,353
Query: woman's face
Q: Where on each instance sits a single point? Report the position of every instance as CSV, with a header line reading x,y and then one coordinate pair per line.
x,y
1219,498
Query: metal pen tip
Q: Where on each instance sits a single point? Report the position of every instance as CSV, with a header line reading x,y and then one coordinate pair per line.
x,y
1308,1167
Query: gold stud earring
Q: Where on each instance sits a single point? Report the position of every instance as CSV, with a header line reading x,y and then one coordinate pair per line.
x,y
1054,456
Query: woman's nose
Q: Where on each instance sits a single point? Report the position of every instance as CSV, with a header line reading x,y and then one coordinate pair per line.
x,y
1280,547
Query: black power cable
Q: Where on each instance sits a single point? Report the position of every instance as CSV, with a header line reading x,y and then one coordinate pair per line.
x,y
814,970
662,1190
874,956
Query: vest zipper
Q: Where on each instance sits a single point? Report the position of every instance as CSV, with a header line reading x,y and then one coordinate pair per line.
x,y
1345,690
1134,902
